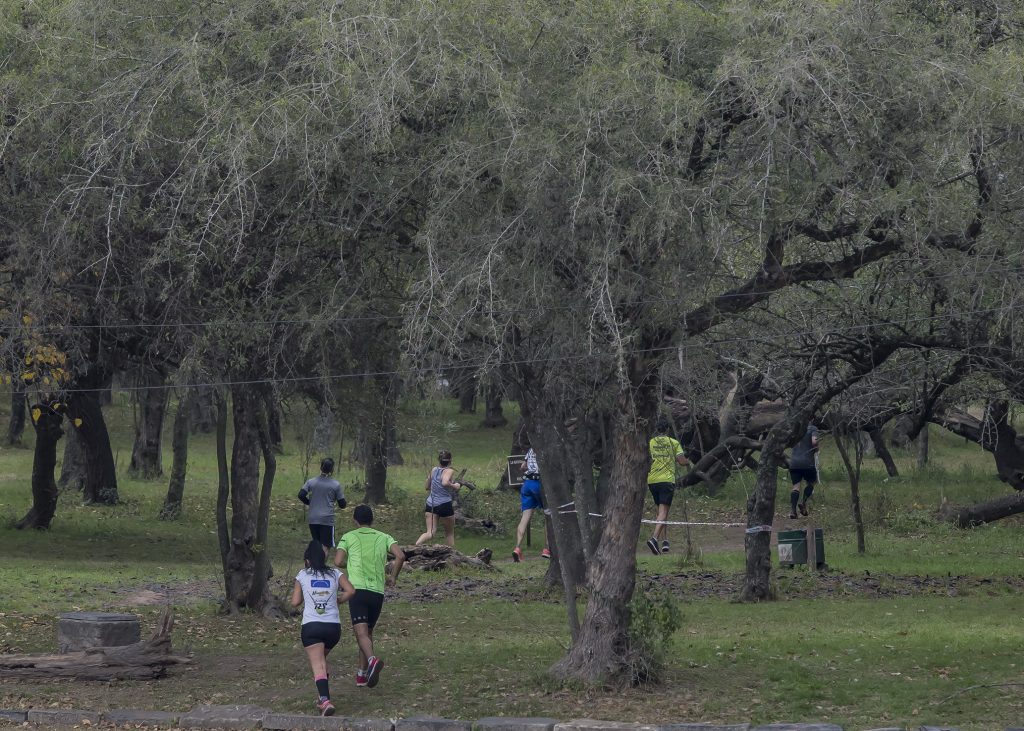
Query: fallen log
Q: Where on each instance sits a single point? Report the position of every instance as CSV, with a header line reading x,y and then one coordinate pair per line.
x,y
438,557
143,660
969,516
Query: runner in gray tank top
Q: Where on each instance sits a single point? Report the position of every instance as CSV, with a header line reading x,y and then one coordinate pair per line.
x,y
440,508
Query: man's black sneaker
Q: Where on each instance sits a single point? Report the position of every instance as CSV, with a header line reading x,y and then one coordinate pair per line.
x,y
803,508
664,546
653,545
792,516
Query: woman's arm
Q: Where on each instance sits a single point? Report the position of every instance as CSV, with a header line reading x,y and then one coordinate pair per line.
x,y
446,479
297,594
345,589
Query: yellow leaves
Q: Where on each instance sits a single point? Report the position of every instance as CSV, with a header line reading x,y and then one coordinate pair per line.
x,y
27,320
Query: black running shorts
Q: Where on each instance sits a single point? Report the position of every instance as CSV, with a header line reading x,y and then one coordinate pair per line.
x,y
662,492
322,533
803,474
326,633
444,510
365,607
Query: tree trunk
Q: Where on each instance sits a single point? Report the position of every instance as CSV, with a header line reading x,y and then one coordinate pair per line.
x,y
223,482
375,471
203,410
44,460
395,458
922,448
73,467
760,517
602,651
853,473
179,447
467,392
883,453
16,426
969,516
995,435
274,431
147,452
100,475
260,597
245,579
494,417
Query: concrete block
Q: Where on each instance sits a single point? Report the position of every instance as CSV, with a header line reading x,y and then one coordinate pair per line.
x,y
501,723
431,723
14,716
122,716
706,727
52,717
799,727
939,728
84,630
589,724
300,722
229,717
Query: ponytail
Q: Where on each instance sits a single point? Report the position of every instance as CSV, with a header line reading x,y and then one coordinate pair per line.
x,y
315,558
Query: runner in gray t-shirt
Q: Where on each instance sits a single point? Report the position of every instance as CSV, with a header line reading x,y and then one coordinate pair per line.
x,y
802,468
320,494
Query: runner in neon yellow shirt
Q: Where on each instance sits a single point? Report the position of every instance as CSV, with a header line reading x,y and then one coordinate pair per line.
x,y
666,453
363,553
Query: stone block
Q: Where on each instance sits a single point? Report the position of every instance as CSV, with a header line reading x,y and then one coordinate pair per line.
x,y
706,727
14,716
301,722
84,630
122,716
501,723
799,727
52,717
589,724
229,717
431,723
939,728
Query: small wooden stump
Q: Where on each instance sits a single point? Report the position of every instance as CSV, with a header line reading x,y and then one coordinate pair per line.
x,y
78,631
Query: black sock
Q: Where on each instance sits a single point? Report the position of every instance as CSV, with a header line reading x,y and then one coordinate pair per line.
x,y
794,498
808,491
322,689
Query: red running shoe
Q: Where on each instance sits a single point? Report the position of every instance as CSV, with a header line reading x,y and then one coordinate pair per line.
x,y
325,707
517,554
545,554
373,668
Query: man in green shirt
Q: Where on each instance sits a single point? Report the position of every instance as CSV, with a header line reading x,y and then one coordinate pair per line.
x,y
363,553
666,453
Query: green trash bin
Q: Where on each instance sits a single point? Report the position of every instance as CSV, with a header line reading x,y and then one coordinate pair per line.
x,y
793,547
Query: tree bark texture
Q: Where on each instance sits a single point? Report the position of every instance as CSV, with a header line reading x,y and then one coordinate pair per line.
x,y
853,473
968,516
203,410
247,568
100,474
44,460
179,448
494,417
601,652
147,452
467,386
274,419
922,448
223,481
73,468
16,425
882,452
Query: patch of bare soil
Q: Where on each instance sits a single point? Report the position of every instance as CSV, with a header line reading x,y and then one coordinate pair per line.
x,y
156,594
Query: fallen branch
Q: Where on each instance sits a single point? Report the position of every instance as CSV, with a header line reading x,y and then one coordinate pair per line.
x,y
976,687
143,660
438,557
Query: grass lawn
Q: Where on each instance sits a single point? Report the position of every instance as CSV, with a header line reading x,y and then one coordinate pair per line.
x,y
873,643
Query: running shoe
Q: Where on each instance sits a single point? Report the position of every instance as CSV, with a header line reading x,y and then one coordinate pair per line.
x,y
545,554
360,680
325,707
664,546
792,516
653,545
517,554
373,668
803,508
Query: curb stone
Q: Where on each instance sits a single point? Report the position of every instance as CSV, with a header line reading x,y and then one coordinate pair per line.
x,y
53,717
939,728
589,724
503,723
14,716
799,727
302,722
431,723
122,716
230,717
707,727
